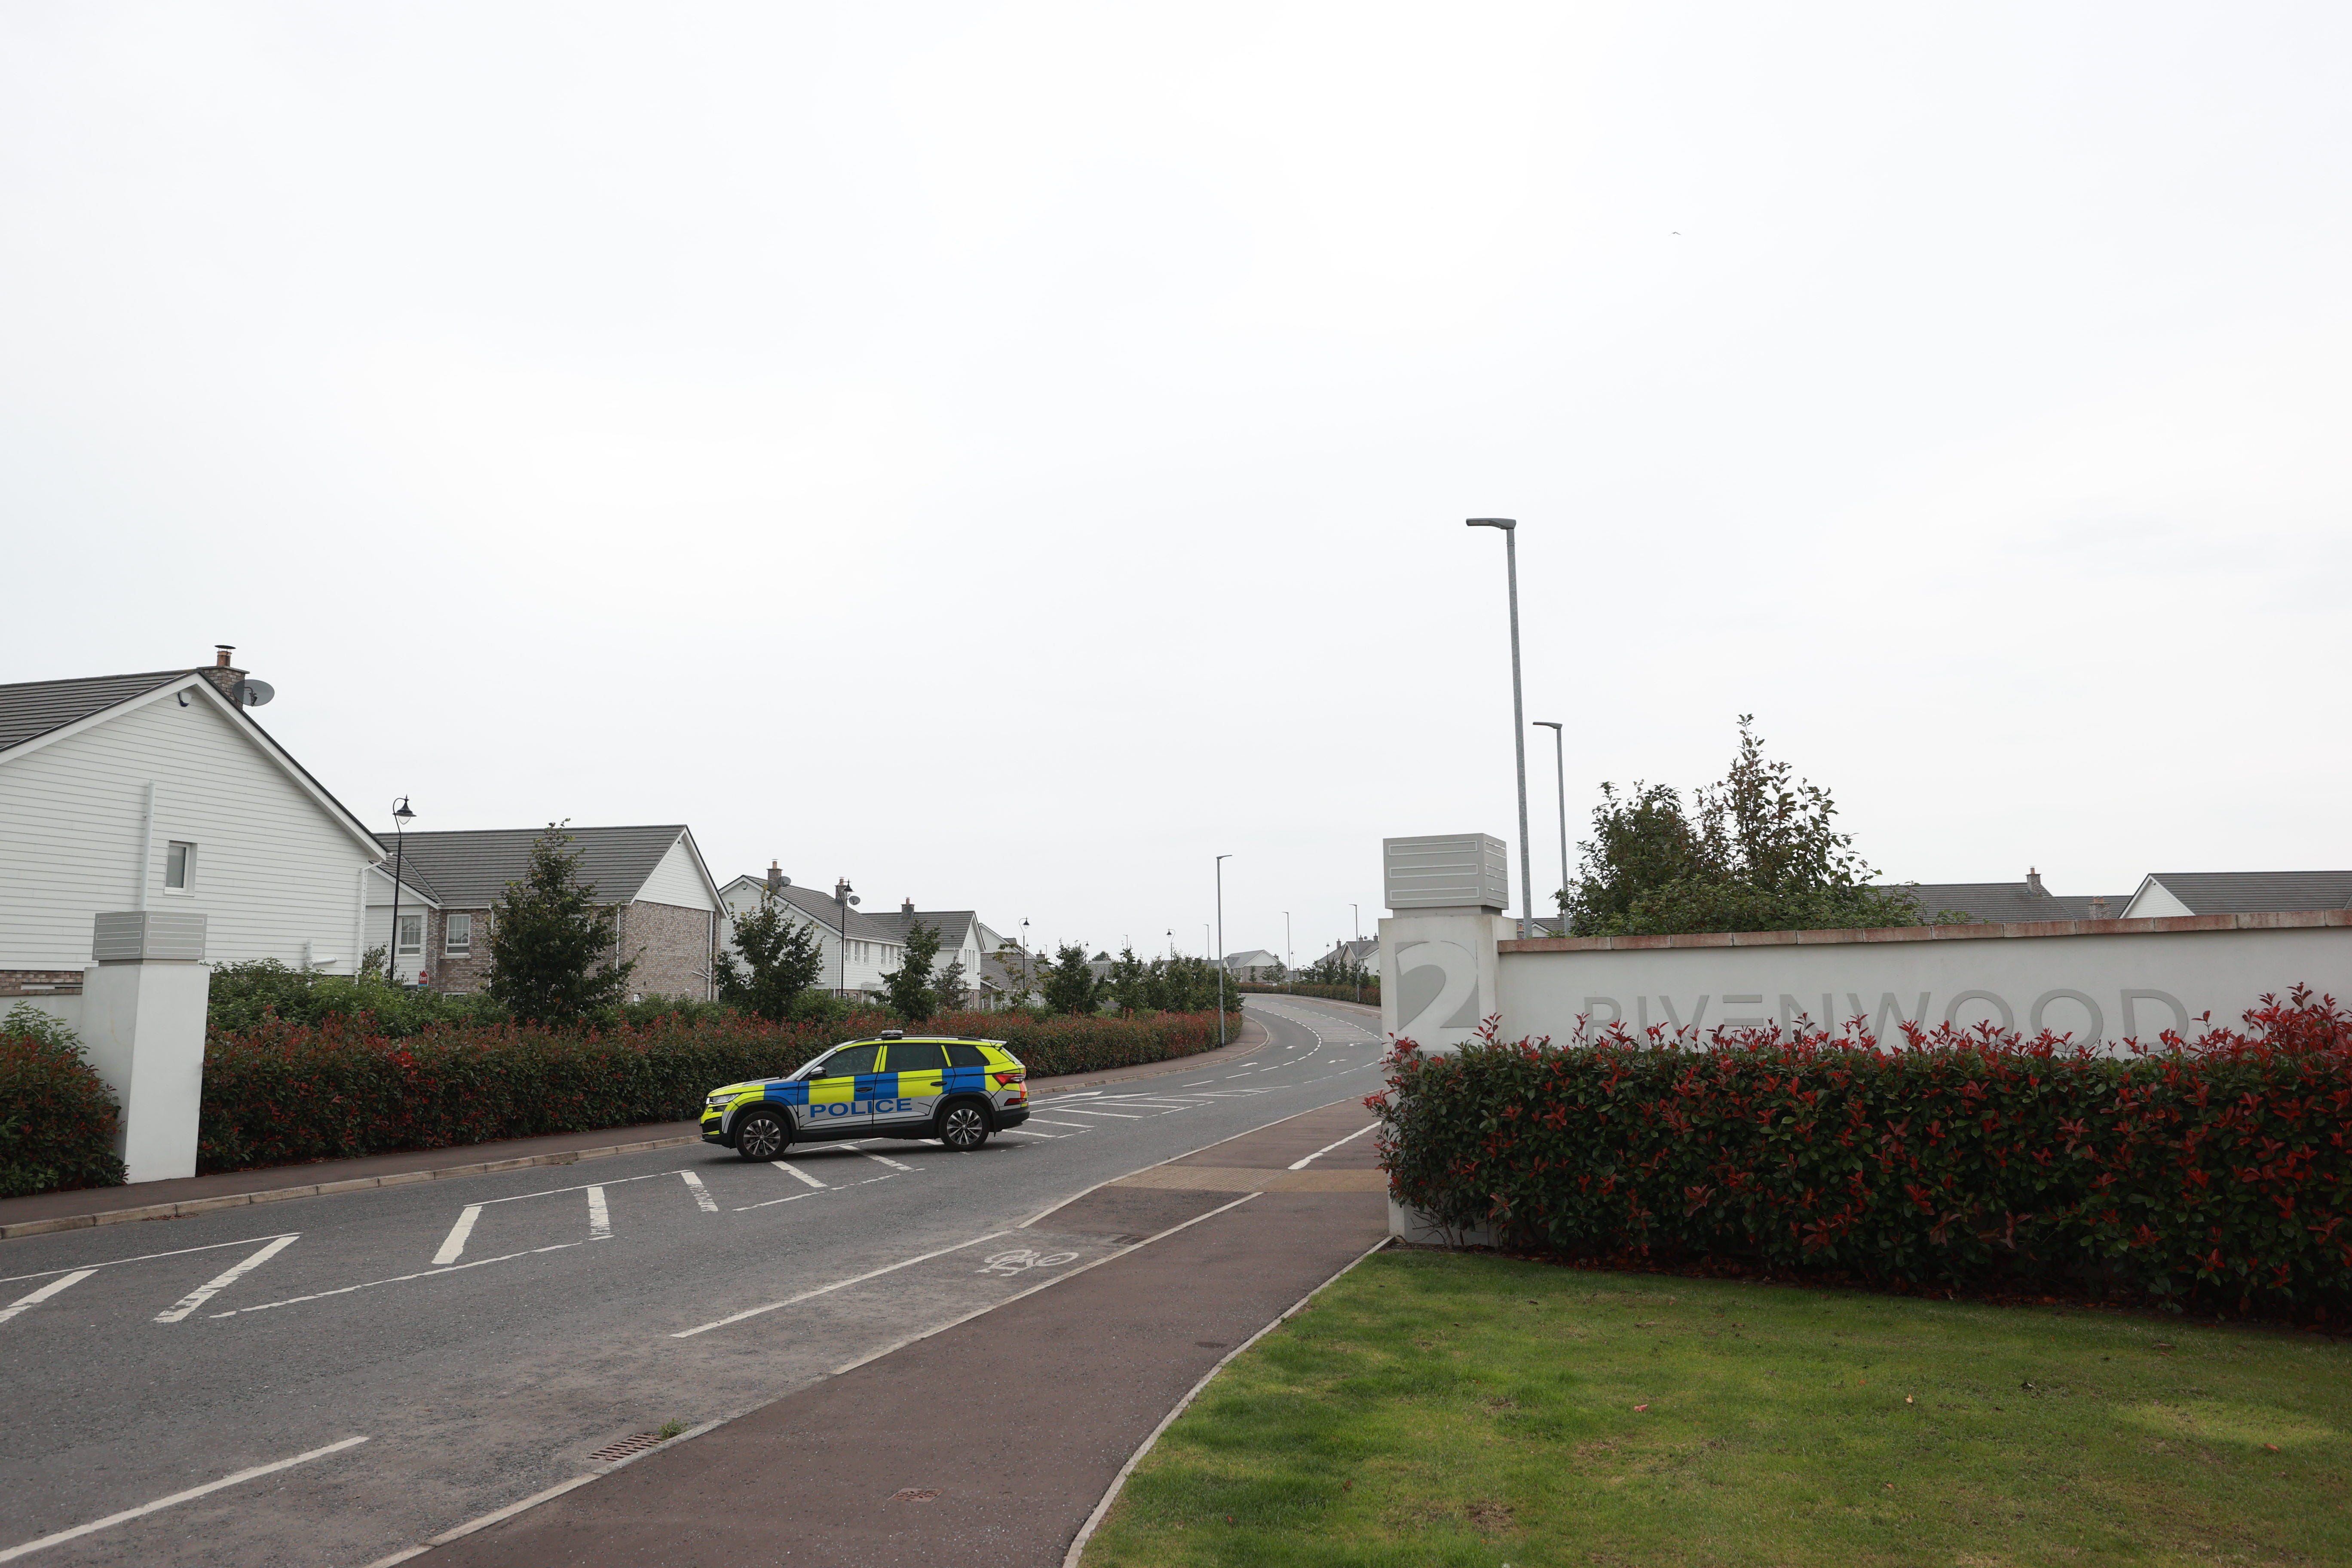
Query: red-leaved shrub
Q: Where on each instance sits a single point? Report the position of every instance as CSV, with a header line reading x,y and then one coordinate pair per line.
x,y
285,1092
2212,1170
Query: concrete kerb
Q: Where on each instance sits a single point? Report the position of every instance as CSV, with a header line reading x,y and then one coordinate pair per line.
x,y
187,1207
1094,1520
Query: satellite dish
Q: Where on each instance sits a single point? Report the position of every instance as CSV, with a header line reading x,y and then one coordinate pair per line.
x,y
251,694
856,899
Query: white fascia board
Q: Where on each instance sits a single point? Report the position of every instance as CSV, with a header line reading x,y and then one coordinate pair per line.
x,y
2155,901
259,738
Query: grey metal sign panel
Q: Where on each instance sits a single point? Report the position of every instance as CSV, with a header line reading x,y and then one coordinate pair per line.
x,y
1445,871
133,936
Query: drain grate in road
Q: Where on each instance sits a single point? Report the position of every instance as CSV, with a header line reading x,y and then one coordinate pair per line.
x,y
916,1494
625,1446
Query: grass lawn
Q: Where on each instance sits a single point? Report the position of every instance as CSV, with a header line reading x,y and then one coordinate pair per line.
x,y
1442,1408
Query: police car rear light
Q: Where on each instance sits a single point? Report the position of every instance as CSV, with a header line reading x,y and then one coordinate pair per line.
x,y
1016,1076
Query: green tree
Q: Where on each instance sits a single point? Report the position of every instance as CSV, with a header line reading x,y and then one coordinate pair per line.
x,y
1131,983
1756,851
1020,983
551,957
1070,986
949,994
780,957
907,988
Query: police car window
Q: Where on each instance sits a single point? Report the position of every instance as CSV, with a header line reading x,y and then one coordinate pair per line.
x,y
966,1056
849,1062
916,1056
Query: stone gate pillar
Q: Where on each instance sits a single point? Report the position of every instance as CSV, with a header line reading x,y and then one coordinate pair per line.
x,y
142,1020
1446,895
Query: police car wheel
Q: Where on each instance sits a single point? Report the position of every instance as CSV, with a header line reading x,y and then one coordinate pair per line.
x,y
761,1135
963,1128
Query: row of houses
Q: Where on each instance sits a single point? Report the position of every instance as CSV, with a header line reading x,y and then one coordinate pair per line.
x,y
160,790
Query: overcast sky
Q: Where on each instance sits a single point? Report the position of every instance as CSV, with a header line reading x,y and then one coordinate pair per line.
x,y
1011,454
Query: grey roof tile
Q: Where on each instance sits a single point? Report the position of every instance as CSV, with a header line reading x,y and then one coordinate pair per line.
x,y
31,709
2005,901
2258,893
470,868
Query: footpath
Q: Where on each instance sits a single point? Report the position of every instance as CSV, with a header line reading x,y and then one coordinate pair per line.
x,y
995,1440
180,1198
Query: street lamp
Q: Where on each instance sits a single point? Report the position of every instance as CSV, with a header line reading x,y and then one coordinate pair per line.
x,y
1220,947
401,817
1510,528
1289,954
844,897
1559,765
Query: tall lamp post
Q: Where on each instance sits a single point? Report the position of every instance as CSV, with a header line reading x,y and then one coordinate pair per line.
x,y
1510,528
401,817
1289,954
844,897
1220,947
1560,766
1356,959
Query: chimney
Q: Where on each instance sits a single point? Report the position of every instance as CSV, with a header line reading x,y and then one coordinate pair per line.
x,y
906,908
2099,907
223,674
2034,887
776,878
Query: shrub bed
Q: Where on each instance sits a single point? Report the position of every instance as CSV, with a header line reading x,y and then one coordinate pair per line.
x,y
58,1119
2212,1171
1369,995
285,1091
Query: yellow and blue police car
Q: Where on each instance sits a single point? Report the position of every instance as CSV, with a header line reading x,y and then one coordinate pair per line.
x,y
955,1089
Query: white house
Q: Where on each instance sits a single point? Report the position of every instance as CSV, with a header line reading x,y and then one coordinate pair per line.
x,y
962,939
2178,894
156,791
871,949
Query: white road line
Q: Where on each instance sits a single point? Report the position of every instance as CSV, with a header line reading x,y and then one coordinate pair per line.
x,y
1197,1083
773,1202
836,1285
702,1198
1327,1148
44,1293
892,1164
1121,1115
398,1279
220,1282
600,1218
1028,1132
142,1258
78,1531
1050,1122
559,1192
453,1246
788,1168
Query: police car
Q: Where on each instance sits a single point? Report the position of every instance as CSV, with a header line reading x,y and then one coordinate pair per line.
x,y
927,1086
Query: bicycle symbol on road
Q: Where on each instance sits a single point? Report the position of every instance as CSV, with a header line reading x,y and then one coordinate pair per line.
x,y
1023,1257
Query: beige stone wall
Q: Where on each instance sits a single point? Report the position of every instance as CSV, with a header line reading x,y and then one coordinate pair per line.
x,y
672,949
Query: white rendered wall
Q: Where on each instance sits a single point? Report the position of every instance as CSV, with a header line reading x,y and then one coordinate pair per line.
x,y
2107,986
273,868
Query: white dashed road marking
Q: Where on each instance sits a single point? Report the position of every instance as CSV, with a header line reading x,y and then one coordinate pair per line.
x,y
44,1293
788,1168
220,1282
702,1198
453,1246
600,1218
1327,1148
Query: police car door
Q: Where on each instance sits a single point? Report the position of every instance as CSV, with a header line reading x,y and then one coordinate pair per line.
x,y
918,1066
834,1105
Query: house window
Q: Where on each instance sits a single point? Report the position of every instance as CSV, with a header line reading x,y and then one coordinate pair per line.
x,y
458,937
179,868
412,936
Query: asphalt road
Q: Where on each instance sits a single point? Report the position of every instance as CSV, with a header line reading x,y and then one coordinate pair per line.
x,y
464,1345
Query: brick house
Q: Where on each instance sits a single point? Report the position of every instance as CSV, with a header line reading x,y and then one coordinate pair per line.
x,y
667,910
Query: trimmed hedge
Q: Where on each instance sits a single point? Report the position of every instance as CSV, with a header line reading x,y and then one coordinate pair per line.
x,y
1371,996
58,1119
285,1092
2212,1172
